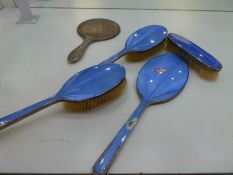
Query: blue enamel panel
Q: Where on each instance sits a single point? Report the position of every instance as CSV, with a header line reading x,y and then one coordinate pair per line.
x,y
92,82
162,78
146,38
195,51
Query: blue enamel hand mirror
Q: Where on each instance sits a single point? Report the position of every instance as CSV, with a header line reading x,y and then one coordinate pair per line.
x,y
160,80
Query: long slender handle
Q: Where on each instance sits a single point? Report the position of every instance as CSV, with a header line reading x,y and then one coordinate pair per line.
x,y
21,114
78,52
115,57
104,162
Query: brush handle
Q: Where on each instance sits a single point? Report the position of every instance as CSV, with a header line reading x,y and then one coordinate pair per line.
x,y
78,52
21,114
115,57
104,162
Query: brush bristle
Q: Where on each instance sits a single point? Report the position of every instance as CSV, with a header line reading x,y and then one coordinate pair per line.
x,y
202,70
95,102
140,56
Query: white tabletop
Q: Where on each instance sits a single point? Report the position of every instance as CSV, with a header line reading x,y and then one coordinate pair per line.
x,y
192,133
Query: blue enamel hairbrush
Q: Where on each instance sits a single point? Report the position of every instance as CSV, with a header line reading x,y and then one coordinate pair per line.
x,y
204,63
84,90
143,42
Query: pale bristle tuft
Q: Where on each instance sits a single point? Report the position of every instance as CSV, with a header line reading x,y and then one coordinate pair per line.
x,y
95,102
140,56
